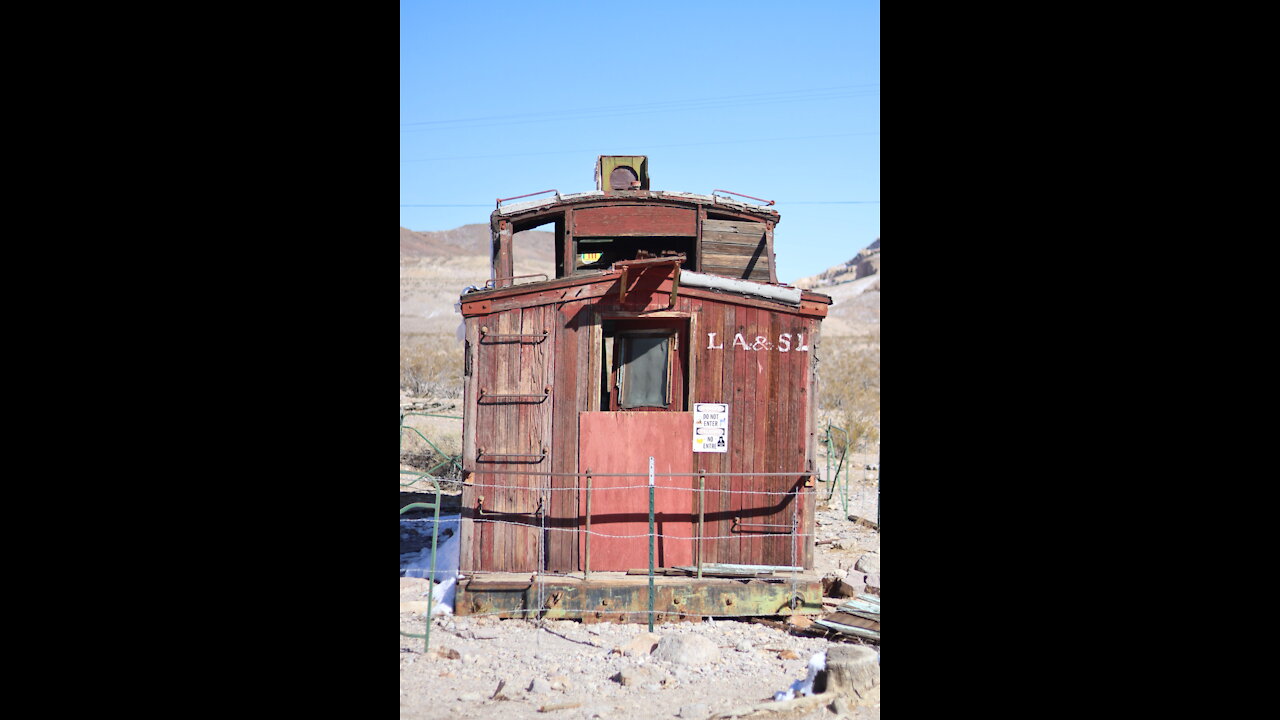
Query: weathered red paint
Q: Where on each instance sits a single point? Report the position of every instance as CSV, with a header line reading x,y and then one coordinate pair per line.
x,y
621,442
635,220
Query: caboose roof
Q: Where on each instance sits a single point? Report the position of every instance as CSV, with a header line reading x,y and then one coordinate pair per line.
x,y
532,209
698,285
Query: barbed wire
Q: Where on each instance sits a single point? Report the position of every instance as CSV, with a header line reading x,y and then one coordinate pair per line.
x,y
631,487
665,536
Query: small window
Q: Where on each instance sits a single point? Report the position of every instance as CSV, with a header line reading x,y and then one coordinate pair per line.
x,y
643,368
644,373
597,253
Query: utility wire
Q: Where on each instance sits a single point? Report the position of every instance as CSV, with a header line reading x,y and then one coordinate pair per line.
x,y
847,91
668,103
607,115
650,147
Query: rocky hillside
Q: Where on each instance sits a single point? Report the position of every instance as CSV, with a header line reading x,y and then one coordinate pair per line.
x,y
854,287
473,240
865,264
435,267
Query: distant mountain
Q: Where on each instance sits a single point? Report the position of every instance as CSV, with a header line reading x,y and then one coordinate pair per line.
x,y
473,240
865,264
854,287
435,267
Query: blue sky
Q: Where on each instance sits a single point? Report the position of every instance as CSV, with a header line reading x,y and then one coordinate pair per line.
x,y
778,100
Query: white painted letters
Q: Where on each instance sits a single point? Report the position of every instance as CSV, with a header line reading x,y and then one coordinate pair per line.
x,y
786,343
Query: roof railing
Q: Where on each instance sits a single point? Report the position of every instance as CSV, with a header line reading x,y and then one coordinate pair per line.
x,y
749,197
518,197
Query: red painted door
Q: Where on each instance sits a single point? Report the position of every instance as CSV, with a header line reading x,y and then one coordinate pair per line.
x,y
623,442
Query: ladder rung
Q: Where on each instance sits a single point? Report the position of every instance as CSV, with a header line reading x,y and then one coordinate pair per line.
x,y
546,393
485,334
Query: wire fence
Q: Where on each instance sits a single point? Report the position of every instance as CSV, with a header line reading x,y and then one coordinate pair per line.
x,y
447,465
441,465
544,583
853,474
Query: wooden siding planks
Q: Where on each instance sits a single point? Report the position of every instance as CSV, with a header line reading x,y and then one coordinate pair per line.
x,y
635,221
768,390
735,248
572,332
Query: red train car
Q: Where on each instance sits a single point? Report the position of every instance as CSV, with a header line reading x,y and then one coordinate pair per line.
x,y
664,334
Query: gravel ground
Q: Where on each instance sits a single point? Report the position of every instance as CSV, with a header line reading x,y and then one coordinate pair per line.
x,y
482,667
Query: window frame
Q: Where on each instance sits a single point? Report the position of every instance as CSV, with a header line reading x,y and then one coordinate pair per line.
x,y
623,351
610,323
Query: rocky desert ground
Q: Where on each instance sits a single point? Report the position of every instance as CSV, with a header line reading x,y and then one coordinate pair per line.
x,y
482,667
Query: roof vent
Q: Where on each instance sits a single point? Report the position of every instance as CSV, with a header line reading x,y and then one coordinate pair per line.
x,y
622,173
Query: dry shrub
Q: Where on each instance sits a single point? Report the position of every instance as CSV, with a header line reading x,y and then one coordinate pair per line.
x,y
440,439
849,388
431,367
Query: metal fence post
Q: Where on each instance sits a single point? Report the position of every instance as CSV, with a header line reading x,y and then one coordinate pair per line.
x,y
652,541
586,575
702,516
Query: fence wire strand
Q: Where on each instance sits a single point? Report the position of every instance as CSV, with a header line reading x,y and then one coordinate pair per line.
x,y
544,492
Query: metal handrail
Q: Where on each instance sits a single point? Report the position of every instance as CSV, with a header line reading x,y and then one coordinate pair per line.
x,y
481,454
494,281
481,512
518,197
540,397
484,333
729,192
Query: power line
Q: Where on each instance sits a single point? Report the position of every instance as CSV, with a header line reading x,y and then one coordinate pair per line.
x,y
652,147
641,106
566,117
847,91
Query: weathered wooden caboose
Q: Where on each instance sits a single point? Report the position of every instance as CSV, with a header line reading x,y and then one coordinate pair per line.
x,y
664,334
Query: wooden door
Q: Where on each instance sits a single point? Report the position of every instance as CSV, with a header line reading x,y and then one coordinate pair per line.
x,y
623,442
506,508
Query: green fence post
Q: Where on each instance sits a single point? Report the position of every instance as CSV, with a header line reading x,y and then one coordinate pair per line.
x,y
431,584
